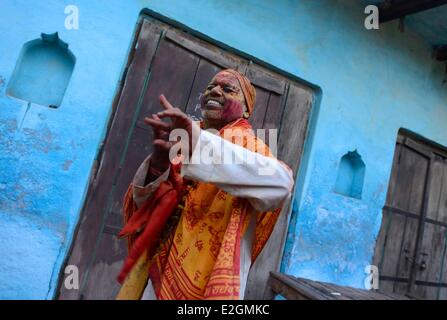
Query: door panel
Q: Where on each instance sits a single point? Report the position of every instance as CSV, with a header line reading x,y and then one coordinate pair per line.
x,y
167,60
411,246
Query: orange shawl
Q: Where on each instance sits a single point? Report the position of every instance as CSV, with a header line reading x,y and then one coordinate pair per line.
x,y
199,258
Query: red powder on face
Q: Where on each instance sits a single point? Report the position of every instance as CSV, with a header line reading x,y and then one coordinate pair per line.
x,y
232,110
225,78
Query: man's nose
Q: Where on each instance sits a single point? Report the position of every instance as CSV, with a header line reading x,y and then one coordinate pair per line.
x,y
216,91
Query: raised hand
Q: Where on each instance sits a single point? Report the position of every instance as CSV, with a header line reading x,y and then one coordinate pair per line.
x,y
178,118
162,145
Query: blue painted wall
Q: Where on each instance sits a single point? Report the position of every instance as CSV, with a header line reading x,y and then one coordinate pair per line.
x,y
46,155
372,83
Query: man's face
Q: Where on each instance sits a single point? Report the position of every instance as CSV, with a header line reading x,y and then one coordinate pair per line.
x,y
223,100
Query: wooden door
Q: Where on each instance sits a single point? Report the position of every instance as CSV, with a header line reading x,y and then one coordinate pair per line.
x,y
411,247
167,60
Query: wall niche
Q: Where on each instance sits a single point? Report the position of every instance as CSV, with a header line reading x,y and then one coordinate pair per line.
x,y
351,175
43,71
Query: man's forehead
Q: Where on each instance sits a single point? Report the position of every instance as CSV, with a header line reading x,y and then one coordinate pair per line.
x,y
225,77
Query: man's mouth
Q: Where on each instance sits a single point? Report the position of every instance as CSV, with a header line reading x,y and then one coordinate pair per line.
x,y
213,104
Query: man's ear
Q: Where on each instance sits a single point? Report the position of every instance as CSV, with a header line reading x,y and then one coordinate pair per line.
x,y
246,113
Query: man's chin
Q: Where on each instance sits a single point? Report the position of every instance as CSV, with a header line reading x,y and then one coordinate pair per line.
x,y
212,115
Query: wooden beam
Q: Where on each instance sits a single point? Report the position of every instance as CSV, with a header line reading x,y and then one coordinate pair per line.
x,y
397,10
441,53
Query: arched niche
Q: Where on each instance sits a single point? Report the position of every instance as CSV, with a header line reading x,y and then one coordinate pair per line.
x,y
351,175
43,71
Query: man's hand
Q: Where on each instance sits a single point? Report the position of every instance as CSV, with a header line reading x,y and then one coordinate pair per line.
x,y
179,120
162,145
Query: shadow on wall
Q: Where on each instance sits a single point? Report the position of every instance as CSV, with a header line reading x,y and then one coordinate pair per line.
x,y
43,71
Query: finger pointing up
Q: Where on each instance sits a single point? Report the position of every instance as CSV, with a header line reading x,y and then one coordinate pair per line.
x,y
165,103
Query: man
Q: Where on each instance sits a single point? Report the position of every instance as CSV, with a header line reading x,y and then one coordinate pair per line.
x,y
195,228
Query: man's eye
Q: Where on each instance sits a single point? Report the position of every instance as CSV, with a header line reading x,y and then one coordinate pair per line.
x,y
228,89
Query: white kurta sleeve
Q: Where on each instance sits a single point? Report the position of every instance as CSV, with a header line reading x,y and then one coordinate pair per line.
x,y
142,192
264,181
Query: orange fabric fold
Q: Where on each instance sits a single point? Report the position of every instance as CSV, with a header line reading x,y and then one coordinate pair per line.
x,y
146,224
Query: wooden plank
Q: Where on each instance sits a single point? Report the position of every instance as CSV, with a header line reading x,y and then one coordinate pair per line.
x,y
261,104
331,291
409,190
294,125
421,148
420,234
437,209
394,173
386,216
327,291
413,166
287,290
207,51
419,174
93,211
393,246
408,248
428,145
301,287
350,293
274,111
265,79
273,115
381,239
306,289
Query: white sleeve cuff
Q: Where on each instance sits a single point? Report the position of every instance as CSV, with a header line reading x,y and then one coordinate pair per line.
x,y
142,192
